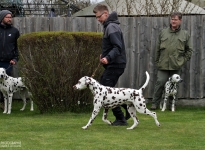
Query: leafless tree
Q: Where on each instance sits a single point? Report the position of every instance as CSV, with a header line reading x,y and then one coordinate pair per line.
x,y
42,7
151,7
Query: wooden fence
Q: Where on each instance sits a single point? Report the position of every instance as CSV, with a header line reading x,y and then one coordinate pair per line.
x,y
140,34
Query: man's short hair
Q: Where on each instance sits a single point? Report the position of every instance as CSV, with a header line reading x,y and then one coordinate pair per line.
x,y
173,14
100,8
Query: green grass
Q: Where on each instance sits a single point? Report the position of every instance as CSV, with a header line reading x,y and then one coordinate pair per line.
x,y
180,130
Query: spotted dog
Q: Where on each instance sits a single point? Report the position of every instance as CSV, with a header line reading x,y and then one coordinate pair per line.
x,y
108,98
10,85
170,90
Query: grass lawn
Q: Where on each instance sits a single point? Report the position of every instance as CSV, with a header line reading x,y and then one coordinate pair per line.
x,y
180,130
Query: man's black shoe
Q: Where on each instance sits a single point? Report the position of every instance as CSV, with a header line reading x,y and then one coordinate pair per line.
x,y
120,123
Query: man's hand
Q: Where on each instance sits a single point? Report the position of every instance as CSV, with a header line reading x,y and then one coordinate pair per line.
x,y
104,60
12,62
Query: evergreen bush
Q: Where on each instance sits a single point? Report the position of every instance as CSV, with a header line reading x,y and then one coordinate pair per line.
x,y
52,62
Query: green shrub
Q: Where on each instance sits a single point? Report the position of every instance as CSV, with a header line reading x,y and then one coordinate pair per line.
x,y
52,62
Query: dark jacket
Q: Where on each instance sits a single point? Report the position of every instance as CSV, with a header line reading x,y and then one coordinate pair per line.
x,y
173,49
8,43
113,47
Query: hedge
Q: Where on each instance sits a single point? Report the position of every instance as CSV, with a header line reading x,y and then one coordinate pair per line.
x,y
52,62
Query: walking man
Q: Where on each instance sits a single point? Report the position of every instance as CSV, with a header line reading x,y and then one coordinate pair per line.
x,y
113,57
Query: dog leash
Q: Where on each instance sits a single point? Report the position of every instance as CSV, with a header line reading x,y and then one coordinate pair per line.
x,y
95,70
10,65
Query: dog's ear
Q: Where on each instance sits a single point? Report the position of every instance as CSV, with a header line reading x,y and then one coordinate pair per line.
x,y
87,80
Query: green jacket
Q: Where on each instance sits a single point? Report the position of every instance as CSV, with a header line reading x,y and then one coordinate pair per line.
x,y
173,49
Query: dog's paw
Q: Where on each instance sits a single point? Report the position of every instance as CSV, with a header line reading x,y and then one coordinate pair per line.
x,y
4,112
172,108
85,127
110,123
158,124
22,109
129,128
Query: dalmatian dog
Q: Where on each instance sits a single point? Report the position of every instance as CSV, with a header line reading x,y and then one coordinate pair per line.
x,y
10,85
109,97
170,90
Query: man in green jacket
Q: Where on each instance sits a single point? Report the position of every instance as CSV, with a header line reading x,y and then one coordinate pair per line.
x,y
173,50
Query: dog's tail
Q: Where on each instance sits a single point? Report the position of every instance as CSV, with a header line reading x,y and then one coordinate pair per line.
x,y
146,82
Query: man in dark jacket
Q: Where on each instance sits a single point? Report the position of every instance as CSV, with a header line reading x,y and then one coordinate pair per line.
x,y
113,57
173,50
8,43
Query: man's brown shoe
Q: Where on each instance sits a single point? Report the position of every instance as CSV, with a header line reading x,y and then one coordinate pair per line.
x,y
153,107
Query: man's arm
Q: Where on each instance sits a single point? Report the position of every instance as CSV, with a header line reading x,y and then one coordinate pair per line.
x,y
115,37
188,49
157,50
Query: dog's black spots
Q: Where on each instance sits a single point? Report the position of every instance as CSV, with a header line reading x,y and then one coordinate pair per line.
x,y
136,94
95,101
104,97
139,99
140,104
113,97
105,104
100,89
124,93
109,91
